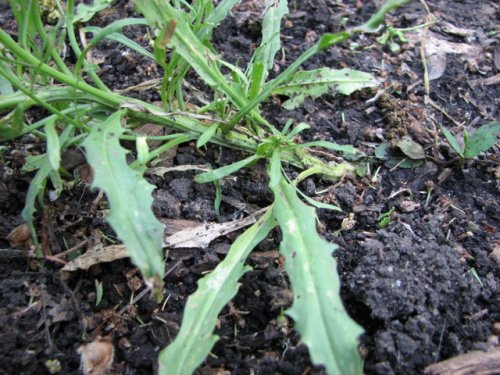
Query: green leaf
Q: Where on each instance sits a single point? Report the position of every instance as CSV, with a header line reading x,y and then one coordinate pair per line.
x,y
453,141
36,189
11,125
99,289
206,136
328,40
53,144
482,139
257,78
410,148
271,43
219,173
320,318
113,32
376,19
220,12
129,196
382,151
5,87
271,26
159,14
322,81
346,149
275,169
217,199
85,12
317,204
296,130
141,145
215,290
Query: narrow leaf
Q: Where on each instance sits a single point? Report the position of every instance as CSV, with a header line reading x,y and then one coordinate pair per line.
x,y
256,79
219,173
221,12
5,87
322,81
113,32
299,128
195,338
346,149
37,187
270,44
453,141
129,196
317,204
53,144
206,136
325,327
275,169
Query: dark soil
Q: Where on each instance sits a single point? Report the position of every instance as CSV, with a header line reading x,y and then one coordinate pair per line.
x,y
425,288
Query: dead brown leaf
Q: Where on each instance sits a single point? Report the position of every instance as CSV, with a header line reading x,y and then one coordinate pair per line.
x,y
190,236
96,358
20,237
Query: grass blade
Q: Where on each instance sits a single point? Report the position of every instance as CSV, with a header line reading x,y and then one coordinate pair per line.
x,y
220,12
85,12
206,136
325,327
195,338
115,35
346,149
219,173
129,197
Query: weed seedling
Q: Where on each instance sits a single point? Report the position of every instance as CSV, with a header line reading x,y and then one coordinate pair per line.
x,y
385,218
471,146
83,111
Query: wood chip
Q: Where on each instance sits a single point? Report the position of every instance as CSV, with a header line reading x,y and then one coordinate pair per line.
x,y
473,363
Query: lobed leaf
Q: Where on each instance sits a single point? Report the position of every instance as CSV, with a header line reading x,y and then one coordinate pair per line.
x,y
271,43
321,81
215,290
36,189
320,318
129,196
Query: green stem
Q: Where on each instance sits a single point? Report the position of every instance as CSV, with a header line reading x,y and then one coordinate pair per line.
x,y
76,48
40,102
146,112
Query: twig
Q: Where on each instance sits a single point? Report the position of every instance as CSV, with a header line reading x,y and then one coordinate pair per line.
x,y
473,363
147,289
428,100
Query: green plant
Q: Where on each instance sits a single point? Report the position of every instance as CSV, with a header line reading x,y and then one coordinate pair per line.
x,y
90,114
481,140
392,36
385,218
